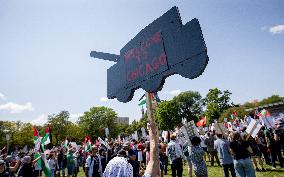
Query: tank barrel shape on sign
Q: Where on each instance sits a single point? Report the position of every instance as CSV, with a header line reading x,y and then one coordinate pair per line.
x,y
104,56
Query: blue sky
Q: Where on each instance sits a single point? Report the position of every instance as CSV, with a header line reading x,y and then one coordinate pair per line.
x,y
45,65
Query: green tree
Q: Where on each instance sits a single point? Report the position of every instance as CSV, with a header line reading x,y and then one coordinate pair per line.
x,y
166,115
94,122
169,114
190,105
59,126
21,134
216,102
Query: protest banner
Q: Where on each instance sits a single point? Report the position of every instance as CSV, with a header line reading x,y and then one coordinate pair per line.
x,y
253,128
268,122
144,135
190,128
106,132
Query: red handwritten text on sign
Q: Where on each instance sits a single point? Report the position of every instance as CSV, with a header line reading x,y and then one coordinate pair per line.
x,y
146,60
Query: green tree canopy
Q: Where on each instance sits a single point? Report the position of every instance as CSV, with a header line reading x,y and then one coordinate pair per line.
x,y
166,115
190,105
169,114
94,122
216,102
59,126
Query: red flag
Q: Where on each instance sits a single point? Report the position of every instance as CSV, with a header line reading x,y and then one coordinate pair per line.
x,y
47,130
201,122
35,132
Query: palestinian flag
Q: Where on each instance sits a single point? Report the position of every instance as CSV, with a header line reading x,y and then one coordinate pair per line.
x,y
37,139
88,143
44,165
66,144
154,97
142,100
234,115
36,135
264,113
46,139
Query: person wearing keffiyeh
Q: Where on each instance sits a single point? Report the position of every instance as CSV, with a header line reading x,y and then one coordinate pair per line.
x,y
119,166
196,154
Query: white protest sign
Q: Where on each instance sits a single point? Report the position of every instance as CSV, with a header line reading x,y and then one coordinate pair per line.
x,y
190,128
106,132
165,135
253,128
143,132
256,130
268,122
230,126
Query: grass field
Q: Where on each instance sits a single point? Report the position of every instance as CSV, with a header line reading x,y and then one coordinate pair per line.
x,y
218,172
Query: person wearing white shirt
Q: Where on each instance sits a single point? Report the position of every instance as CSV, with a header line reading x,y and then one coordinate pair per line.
x,y
175,154
52,164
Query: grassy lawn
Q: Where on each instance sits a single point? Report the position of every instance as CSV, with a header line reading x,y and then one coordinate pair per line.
x,y
218,172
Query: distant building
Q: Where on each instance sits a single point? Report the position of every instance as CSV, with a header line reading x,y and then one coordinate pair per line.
x,y
123,120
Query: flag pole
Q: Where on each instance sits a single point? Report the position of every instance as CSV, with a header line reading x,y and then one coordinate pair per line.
x,y
153,165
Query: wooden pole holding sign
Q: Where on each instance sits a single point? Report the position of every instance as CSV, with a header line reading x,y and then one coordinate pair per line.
x,y
153,165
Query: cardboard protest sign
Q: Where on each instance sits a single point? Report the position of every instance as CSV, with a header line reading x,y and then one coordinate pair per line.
x,y
163,48
106,132
135,135
144,135
190,129
268,122
230,126
253,128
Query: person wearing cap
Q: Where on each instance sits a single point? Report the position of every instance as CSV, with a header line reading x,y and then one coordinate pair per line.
x,y
175,154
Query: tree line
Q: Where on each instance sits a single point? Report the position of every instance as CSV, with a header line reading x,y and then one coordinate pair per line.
x,y
190,105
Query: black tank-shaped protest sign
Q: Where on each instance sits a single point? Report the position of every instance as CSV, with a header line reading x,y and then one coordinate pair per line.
x,y
163,48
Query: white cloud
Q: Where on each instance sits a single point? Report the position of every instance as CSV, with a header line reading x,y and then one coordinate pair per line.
x,y
173,92
276,29
16,108
104,99
74,117
2,96
40,120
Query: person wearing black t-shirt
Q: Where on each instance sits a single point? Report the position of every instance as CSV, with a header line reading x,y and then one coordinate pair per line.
x,y
242,163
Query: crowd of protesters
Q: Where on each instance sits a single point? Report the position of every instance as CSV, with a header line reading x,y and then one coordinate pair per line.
x,y
237,153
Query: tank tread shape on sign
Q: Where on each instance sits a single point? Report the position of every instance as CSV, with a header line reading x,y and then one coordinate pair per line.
x,y
163,48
